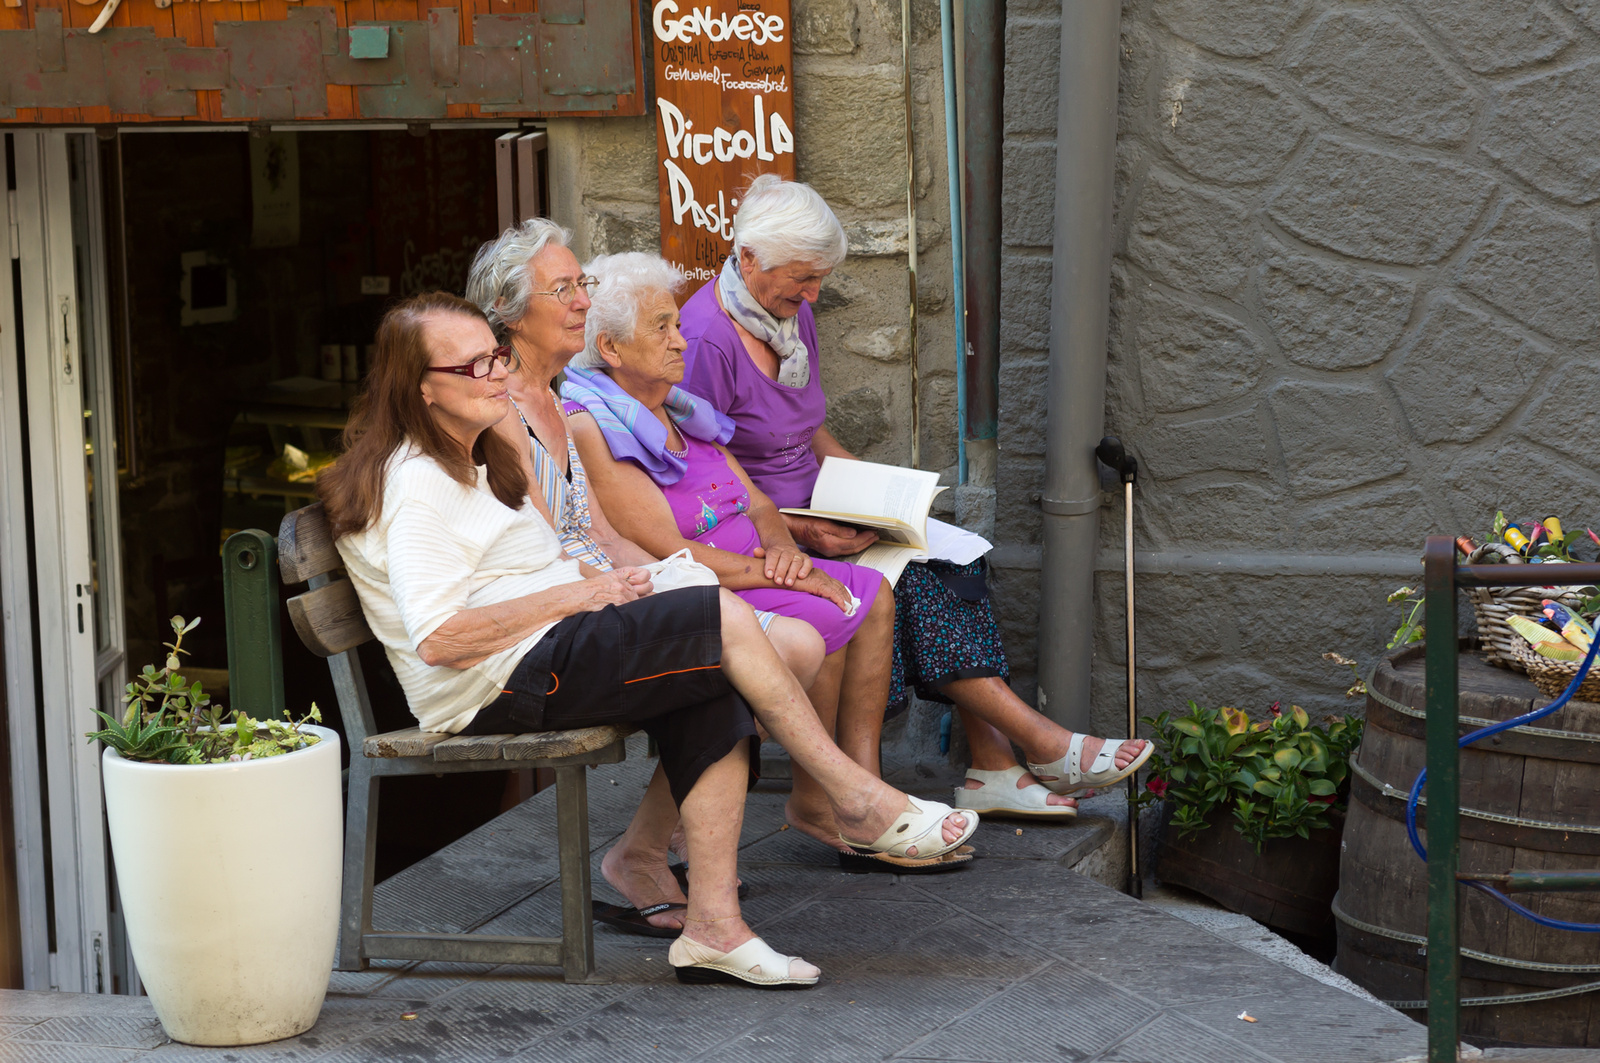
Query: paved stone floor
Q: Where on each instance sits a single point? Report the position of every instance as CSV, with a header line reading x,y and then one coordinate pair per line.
x,y
1014,959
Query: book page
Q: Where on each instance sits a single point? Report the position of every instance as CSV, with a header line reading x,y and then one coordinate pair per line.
x,y
888,558
946,542
865,487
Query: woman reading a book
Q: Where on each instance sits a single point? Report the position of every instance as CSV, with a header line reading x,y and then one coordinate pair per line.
x,y
753,352
656,459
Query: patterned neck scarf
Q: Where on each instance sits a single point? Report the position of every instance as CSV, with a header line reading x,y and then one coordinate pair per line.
x,y
634,433
782,336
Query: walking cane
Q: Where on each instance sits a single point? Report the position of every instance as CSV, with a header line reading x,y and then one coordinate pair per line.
x,y
1111,453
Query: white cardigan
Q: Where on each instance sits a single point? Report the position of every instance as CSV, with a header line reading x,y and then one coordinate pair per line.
x,y
439,547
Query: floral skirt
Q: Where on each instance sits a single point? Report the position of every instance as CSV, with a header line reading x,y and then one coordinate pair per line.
x,y
944,630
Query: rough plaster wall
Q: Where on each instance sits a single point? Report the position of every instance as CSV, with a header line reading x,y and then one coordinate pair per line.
x,y
1354,303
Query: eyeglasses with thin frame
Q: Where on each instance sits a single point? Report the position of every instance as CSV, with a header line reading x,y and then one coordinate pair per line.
x,y
481,366
565,293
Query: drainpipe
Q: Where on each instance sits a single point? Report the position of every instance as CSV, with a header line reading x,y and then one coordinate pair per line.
x,y
1086,142
952,146
984,66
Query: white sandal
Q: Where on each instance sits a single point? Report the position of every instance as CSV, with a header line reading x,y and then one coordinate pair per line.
x,y
751,963
1066,776
1000,796
919,827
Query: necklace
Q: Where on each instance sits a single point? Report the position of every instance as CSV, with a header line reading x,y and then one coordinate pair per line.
x,y
684,453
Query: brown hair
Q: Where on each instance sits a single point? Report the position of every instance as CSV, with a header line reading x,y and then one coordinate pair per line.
x,y
390,411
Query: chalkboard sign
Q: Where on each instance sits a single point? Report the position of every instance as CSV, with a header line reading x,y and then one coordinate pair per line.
x,y
724,114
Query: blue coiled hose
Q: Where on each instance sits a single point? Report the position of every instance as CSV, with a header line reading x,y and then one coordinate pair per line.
x,y
1479,735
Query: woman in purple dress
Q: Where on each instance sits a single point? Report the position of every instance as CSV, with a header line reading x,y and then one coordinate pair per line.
x,y
656,459
753,352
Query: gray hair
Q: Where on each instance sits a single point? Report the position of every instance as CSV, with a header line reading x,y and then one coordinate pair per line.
x,y
500,281
625,281
786,221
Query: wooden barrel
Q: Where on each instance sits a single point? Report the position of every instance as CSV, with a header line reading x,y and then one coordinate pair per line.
x,y
1530,799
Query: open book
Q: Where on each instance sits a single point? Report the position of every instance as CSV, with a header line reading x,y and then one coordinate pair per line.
x,y
894,502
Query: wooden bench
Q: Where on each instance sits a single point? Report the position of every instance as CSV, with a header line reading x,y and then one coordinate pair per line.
x,y
329,621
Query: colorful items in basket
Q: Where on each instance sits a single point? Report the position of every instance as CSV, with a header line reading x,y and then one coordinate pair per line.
x,y
1516,542
1569,642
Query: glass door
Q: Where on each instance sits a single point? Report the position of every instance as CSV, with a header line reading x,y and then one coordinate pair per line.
x,y
59,562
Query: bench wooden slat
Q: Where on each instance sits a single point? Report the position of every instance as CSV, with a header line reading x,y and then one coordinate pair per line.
x,y
329,619
305,546
548,745
470,747
408,743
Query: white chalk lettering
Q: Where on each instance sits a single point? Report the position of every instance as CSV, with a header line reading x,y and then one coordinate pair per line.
x,y
725,145
712,218
757,27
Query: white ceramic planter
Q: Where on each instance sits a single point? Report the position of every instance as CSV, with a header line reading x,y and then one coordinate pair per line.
x,y
229,877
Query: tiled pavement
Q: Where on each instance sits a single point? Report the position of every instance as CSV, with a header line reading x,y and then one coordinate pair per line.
x,y
1014,959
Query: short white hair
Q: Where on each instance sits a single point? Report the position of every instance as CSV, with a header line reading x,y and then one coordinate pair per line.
x,y
500,281
625,282
787,221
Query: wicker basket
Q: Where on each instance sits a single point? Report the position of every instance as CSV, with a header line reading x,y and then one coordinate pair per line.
x,y
1552,677
1499,644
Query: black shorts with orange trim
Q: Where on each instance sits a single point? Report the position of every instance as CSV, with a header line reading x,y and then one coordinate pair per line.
x,y
655,663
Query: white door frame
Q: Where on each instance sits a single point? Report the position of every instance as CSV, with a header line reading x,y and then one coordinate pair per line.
x,y
68,681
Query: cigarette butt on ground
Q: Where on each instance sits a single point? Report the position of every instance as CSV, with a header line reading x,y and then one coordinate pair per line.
x,y
1246,1016
408,1015
1019,831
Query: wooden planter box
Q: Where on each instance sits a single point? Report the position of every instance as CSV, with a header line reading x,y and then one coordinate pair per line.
x,y
1289,885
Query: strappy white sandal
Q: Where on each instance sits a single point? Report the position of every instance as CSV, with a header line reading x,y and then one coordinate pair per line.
x,y
1066,776
919,827
1000,796
753,963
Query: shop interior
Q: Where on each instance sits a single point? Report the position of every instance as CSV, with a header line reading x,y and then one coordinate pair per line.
x,y
247,271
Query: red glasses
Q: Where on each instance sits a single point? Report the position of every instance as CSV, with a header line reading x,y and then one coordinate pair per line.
x,y
481,367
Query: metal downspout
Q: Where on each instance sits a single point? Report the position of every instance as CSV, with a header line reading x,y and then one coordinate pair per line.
x,y
958,290
1086,142
984,63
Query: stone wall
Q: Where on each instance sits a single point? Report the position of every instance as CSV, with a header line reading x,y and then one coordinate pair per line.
x,y
1354,301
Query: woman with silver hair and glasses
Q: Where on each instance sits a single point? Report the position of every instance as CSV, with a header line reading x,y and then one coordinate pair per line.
x,y
656,457
753,352
536,299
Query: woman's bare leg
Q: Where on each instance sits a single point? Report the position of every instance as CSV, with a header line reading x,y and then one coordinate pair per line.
x,y
1041,738
850,697
991,751
636,866
808,809
864,805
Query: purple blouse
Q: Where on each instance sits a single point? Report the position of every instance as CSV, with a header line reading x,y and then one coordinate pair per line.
x,y
711,506
773,440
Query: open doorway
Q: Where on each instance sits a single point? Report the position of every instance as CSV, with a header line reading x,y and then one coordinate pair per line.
x,y
249,270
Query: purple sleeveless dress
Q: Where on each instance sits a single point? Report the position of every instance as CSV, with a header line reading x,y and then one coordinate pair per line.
x,y
710,505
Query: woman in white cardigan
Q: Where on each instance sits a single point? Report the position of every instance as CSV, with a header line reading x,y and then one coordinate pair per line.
x,y
491,631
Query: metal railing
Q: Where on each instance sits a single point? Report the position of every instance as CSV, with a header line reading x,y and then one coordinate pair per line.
x,y
1442,579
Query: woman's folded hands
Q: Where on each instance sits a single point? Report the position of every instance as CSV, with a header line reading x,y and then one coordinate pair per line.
x,y
786,564
617,587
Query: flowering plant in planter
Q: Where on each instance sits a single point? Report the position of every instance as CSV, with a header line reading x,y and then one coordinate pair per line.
x,y
1281,777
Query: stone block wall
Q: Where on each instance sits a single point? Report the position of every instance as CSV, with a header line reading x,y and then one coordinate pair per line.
x,y
1354,302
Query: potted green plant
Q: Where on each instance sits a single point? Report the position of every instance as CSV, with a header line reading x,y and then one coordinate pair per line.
x,y
226,834
1280,784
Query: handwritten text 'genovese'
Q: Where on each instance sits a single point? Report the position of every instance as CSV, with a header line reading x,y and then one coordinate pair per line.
x,y
757,27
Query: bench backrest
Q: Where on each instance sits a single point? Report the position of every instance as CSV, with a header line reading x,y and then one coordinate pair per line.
x,y
328,616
